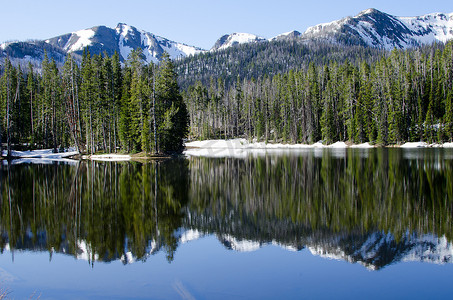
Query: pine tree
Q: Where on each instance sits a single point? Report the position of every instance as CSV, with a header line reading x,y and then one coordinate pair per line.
x,y
429,132
449,117
172,113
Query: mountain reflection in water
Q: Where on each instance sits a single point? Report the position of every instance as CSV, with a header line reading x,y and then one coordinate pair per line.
x,y
375,207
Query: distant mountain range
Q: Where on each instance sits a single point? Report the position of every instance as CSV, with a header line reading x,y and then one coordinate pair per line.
x,y
377,29
371,28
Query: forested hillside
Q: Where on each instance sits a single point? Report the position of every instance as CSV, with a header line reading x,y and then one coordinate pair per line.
x,y
385,98
97,106
254,60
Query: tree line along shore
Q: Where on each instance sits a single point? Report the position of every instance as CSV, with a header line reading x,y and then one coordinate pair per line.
x,y
400,96
104,106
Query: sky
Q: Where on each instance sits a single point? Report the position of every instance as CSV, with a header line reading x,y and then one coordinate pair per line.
x,y
193,22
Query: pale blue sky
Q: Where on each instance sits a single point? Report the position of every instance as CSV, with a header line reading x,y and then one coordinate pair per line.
x,y
194,22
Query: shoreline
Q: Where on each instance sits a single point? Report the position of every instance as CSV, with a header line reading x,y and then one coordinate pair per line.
x,y
244,148
203,148
246,144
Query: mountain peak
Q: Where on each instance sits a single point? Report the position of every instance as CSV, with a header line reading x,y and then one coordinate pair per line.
x,y
234,39
370,11
287,35
122,39
374,28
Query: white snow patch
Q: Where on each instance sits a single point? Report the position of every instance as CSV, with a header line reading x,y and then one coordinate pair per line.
x,y
242,148
338,145
242,245
239,38
128,258
336,254
440,27
45,153
123,30
85,252
281,35
152,45
190,235
84,40
364,146
414,145
431,249
108,157
324,29
45,156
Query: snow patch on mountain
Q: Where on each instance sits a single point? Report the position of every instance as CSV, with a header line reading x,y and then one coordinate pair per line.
x,y
234,39
123,30
240,245
190,235
322,30
425,248
430,27
431,249
377,29
287,35
84,40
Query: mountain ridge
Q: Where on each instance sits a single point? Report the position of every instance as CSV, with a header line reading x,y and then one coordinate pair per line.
x,y
369,28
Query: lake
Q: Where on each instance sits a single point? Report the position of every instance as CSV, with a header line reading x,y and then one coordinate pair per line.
x,y
308,224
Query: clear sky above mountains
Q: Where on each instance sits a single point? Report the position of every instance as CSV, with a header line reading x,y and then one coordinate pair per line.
x,y
194,22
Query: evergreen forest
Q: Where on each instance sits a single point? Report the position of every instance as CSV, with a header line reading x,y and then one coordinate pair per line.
x,y
99,105
394,97
102,105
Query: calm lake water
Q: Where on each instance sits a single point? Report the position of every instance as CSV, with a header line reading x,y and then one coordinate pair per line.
x,y
326,223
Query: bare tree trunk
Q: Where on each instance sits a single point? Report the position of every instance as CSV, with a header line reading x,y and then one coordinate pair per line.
x,y
114,129
54,123
91,131
105,137
156,144
75,111
8,117
31,116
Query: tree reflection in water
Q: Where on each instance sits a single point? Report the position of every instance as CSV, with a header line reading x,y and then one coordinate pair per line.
x,y
371,206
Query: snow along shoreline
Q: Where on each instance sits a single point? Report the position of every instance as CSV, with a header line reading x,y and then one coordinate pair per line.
x,y
47,156
219,148
210,148
245,144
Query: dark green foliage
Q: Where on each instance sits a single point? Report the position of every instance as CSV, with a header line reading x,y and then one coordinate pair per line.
x,y
401,96
252,60
292,200
173,118
97,106
326,93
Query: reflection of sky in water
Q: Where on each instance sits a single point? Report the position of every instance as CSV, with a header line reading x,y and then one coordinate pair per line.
x,y
203,269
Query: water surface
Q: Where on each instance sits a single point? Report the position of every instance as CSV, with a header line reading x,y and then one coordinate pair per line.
x,y
319,223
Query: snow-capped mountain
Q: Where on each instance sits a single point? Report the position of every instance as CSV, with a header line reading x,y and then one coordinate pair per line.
x,y
287,35
123,39
233,39
371,28
374,28
373,251
30,51
379,250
